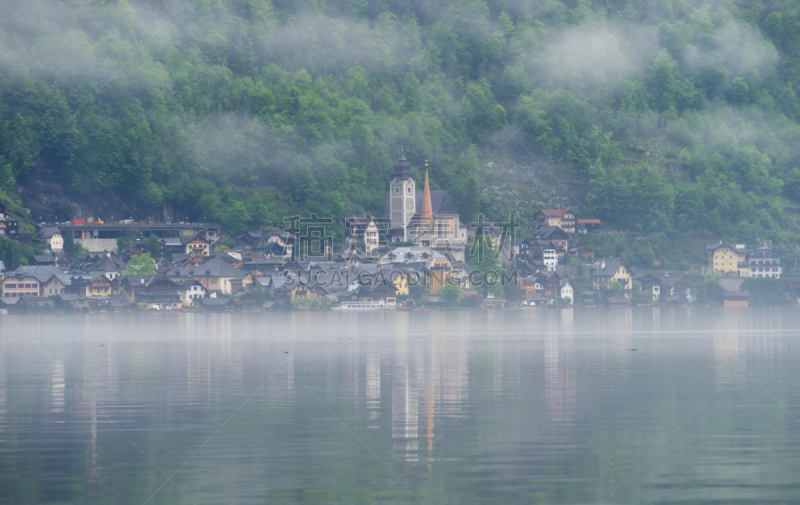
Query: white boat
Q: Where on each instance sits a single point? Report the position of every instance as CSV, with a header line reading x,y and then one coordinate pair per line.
x,y
369,306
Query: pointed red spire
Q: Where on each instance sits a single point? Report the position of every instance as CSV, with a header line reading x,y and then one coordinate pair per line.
x,y
427,207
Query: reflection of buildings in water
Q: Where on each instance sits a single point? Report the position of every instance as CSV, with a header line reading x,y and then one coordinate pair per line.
x,y
3,394
623,320
289,374
91,449
446,385
373,386
430,379
621,326
567,322
405,415
559,389
58,387
430,410
198,372
447,373
656,319
726,344
222,337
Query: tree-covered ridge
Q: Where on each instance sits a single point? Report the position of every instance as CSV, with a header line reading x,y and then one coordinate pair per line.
x,y
683,116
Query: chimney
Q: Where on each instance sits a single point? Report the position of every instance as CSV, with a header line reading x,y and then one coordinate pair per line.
x,y
602,264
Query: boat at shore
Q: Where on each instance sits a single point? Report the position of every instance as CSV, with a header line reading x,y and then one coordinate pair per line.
x,y
364,306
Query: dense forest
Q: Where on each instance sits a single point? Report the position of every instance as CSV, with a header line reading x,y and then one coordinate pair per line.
x,y
678,116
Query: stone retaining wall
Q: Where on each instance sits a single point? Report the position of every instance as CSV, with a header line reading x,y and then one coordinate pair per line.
x,y
98,244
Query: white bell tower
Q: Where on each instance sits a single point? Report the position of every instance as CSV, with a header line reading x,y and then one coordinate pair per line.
x,y
402,194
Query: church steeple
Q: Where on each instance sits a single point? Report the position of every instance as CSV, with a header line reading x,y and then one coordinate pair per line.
x,y
402,197
427,208
402,169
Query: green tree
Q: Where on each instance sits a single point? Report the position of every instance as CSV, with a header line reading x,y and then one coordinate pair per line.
x,y
140,265
768,291
260,127
709,289
630,198
13,254
482,256
791,188
69,249
154,244
418,290
450,294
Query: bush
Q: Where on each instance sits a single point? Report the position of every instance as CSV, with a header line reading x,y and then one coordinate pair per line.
x,y
450,293
471,299
769,291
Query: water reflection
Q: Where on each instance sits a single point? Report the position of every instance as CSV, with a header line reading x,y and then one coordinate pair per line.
x,y
405,395
274,415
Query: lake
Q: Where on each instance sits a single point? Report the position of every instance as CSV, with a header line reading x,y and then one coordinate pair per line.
x,y
640,405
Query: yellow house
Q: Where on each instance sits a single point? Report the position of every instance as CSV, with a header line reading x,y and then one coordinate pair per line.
x,y
441,273
727,258
301,292
54,286
214,275
195,244
100,286
400,281
563,218
612,270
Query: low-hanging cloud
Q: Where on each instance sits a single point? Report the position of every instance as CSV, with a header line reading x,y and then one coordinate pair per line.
x,y
745,50
591,55
80,41
740,48
323,44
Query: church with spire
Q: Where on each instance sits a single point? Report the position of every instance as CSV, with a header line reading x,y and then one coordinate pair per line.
x,y
428,218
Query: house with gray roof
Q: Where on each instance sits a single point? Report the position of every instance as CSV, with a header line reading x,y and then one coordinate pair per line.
x,y
609,271
213,275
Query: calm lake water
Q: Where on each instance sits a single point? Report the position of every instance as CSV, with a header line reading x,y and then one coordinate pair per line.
x,y
542,406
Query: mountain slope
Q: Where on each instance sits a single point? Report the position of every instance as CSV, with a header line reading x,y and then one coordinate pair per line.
x,y
669,116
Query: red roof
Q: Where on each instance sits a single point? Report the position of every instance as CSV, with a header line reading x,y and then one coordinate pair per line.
x,y
588,221
554,212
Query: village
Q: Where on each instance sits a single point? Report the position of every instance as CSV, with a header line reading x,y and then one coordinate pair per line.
x,y
418,255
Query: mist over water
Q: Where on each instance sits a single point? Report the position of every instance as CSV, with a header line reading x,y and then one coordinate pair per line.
x,y
547,406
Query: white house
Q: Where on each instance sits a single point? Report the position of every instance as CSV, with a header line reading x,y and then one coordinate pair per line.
x,y
191,292
53,237
550,259
566,291
371,237
764,262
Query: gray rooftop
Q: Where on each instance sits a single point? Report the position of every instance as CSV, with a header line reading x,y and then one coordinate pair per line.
x,y
611,267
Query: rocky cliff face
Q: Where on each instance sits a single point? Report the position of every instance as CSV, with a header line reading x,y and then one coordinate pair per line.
x,y
526,185
50,197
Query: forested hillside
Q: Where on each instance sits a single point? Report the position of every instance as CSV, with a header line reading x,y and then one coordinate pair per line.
x,y
680,115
